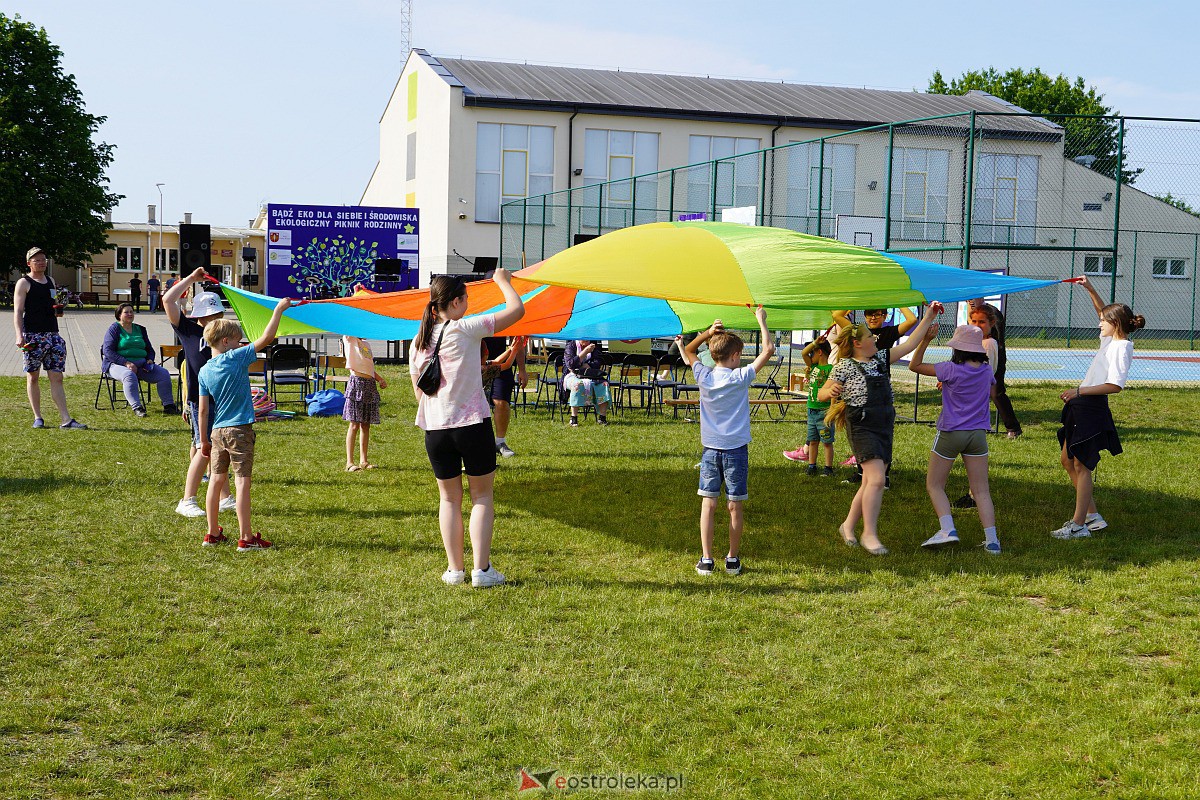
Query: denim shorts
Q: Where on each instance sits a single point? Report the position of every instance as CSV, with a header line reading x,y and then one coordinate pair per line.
x,y
817,429
194,419
732,467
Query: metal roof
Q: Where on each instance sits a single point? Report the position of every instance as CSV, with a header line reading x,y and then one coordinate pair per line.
x,y
215,232
532,86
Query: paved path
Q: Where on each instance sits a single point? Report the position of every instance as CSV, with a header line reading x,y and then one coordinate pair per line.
x,y
83,330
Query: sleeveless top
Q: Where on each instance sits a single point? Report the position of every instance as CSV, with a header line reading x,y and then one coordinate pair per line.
x,y
39,307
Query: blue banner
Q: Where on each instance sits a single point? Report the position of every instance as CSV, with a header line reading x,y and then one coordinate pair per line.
x,y
323,251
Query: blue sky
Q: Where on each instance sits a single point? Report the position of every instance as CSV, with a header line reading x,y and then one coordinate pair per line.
x,y
232,104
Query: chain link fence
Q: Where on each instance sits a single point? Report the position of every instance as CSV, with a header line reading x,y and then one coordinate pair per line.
x,y
1046,197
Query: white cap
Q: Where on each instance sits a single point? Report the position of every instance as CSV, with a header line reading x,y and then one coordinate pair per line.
x,y
206,304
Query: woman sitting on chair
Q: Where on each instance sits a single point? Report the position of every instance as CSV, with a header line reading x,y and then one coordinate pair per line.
x,y
128,357
583,365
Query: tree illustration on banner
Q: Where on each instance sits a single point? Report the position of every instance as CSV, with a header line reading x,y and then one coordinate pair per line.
x,y
333,265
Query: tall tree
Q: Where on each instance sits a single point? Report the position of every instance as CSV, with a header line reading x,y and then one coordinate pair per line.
x,y
53,190
1091,140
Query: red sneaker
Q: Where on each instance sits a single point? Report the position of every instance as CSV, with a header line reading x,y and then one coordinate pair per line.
x,y
212,540
255,542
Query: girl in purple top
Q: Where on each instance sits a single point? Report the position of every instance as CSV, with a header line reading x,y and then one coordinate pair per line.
x,y
962,428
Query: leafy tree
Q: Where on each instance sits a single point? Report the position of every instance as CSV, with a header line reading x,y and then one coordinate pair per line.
x,y
53,190
1037,92
1179,203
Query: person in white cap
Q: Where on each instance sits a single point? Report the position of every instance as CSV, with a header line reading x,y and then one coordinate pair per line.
x,y
189,330
36,324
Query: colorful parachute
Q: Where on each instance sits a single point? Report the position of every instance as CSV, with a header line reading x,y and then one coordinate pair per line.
x,y
662,279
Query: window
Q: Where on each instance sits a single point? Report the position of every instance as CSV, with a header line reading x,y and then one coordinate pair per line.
x,y
920,193
129,259
736,172
831,175
615,156
1169,268
1099,265
168,264
1005,210
511,162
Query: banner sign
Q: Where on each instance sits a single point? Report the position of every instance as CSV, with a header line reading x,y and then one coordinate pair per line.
x,y
322,251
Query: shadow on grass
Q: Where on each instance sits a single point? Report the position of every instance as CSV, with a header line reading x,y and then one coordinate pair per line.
x,y
792,520
44,484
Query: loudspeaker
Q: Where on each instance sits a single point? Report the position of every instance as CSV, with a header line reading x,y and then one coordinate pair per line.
x,y
485,264
193,247
249,254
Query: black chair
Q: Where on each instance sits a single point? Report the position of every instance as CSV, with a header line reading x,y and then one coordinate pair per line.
x,y
549,386
287,366
116,394
771,388
645,368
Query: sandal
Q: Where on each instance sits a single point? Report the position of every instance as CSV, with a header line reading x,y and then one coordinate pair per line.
x,y
353,468
366,466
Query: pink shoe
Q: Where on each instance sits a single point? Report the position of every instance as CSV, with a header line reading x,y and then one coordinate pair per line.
x,y
799,454
850,462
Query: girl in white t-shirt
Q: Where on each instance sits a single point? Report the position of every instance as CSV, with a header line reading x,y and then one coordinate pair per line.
x,y
456,418
1087,423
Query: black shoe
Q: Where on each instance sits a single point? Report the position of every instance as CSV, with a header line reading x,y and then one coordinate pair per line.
x,y
887,481
733,565
705,566
827,472
601,419
574,423
141,412
171,410
966,501
811,469
855,478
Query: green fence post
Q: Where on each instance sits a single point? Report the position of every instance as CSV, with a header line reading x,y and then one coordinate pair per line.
x,y
1132,272
887,197
821,190
570,203
713,193
1070,296
969,206
543,227
524,224
671,200
1192,325
633,202
762,188
1112,292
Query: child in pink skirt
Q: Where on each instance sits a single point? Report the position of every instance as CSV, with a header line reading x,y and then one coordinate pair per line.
x,y
362,400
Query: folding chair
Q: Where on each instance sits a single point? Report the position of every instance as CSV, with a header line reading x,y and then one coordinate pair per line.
x,y
771,387
287,366
116,394
638,374
550,384
326,371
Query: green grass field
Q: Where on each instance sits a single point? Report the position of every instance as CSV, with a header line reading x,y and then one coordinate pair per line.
x,y
135,663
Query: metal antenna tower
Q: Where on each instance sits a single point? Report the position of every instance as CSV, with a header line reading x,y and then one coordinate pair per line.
x,y
406,27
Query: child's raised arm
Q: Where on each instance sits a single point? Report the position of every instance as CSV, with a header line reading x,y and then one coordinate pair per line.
x,y
514,307
910,319
693,347
809,349
768,348
840,318
1097,300
899,351
917,363
268,334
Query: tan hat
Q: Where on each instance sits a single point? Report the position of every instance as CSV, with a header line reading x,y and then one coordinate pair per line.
x,y
205,304
967,338
33,251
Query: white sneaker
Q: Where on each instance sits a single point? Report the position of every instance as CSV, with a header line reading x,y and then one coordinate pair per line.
x,y
1095,522
188,507
504,450
483,578
228,504
454,577
941,538
1070,530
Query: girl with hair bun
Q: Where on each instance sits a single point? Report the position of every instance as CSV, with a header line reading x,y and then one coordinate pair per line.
x,y
457,420
1087,423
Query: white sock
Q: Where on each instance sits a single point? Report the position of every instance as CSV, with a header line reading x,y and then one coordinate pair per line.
x,y
499,441
989,534
1090,517
947,523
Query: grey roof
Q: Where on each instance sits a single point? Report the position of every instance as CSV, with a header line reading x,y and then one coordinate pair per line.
x,y
502,84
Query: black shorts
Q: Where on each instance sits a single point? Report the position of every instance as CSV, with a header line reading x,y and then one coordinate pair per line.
x,y
502,386
871,431
452,449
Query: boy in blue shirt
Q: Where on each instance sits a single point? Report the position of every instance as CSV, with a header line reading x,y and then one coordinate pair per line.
x,y
225,397
725,431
